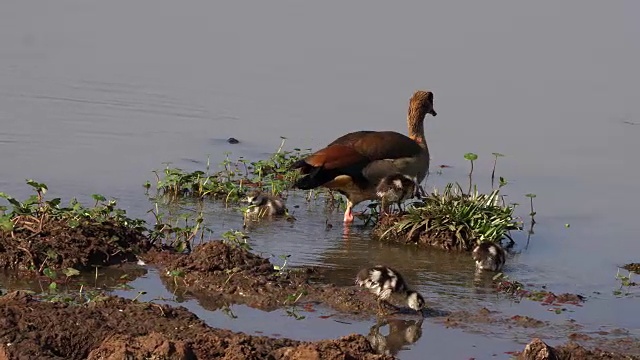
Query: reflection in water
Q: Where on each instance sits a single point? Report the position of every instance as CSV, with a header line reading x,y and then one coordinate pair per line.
x,y
111,277
401,333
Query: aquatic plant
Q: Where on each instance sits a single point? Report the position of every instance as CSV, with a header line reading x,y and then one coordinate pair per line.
x,y
35,212
453,218
456,219
236,238
177,231
625,283
471,157
233,179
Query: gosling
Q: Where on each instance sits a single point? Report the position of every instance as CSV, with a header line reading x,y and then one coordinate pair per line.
x,y
384,281
261,204
396,188
489,256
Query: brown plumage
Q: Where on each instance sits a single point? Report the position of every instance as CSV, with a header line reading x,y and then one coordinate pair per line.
x,y
354,163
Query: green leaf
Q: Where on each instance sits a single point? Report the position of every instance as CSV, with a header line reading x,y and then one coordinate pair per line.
x,y
51,274
5,223
98,197
69,272
471,156
40,187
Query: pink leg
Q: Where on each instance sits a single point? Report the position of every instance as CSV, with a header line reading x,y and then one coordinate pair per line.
x,y
348,215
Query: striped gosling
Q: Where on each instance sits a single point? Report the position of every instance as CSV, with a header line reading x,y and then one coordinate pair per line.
x,y
384,281
489,256
261,204
395,189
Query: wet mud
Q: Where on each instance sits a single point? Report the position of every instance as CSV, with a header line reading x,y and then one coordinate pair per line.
x,y
116,328
36,244
217,274
539,350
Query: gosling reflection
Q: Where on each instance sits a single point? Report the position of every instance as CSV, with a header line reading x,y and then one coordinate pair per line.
x,y
401,333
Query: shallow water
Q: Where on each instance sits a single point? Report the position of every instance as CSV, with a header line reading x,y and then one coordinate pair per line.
x,y
96,95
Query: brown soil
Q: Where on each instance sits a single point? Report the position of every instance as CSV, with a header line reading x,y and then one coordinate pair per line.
x,y
55,245
538,350
218,274
445,240
117,328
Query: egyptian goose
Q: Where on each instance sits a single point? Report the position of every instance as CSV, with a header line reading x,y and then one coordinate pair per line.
x,y
489,256
261,204
396,188
383,281
354,163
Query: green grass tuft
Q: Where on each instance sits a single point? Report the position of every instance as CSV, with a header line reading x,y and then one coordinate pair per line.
x,y
455,220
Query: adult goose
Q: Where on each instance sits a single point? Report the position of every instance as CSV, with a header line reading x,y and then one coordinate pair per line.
x,y
354,163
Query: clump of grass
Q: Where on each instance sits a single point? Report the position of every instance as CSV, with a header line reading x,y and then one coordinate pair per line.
x,y
233,179
455,220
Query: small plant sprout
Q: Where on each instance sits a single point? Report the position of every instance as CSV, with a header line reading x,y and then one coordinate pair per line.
x,y
236,238
70,272
175,274
281,269
292,300
140,293
495,162
471,157
625,282
226,309
532,213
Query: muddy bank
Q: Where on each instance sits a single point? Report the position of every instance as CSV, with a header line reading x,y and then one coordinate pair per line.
x,y
36,244
217,274
539,350
116,328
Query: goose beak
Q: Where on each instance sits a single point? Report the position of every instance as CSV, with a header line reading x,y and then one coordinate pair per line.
x,y
433,112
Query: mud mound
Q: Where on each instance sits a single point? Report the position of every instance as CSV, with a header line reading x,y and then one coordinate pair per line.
x,y
152,346
216,256
218,274
538,350
56,245
446,240
120,328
